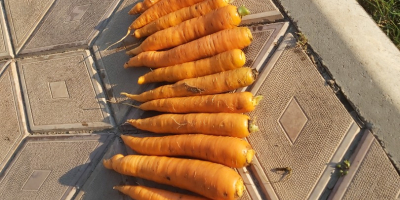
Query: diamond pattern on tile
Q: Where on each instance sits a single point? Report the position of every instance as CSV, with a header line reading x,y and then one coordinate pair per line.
x,y
293,119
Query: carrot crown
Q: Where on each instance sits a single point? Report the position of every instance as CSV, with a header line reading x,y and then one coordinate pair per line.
x,y
243,11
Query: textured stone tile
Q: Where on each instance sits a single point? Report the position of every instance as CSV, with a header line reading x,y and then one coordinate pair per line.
x,y
101,182
63,92
261,11
111,61
371,174
13,126
51,167
5,42
56,24
302,126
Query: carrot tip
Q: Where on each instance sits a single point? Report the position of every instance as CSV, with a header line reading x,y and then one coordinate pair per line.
x,y
239,188
141,80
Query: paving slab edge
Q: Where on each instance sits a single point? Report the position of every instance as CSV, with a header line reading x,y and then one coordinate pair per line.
x,y
360,57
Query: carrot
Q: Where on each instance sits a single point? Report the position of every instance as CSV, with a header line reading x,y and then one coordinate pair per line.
x,y
179,16
220,19
147,193
163,7
223,124
210,45
211,84
142,6
212,180
226,61
229,151
240,102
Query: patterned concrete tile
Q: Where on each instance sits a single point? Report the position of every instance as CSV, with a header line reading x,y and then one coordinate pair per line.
x,y
371,174
111,61
51,167
63,92
303,126
102,180
261,11
55,25
13,128
5,41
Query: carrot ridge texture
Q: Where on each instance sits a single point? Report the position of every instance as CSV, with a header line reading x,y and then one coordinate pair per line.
x,y
225,61
160,9
223,124
212,180
220,19
211,84
230,151
239,102
210,45
147,193
179,16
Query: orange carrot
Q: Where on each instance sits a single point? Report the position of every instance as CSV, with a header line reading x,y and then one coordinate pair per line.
x,y
236,38
179,16
147,193
163,7
208,179
142,6
220,19
230,151
226,61
224,124
211,84
239,102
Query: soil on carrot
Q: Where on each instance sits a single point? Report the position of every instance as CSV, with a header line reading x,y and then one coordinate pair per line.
x,y
386,14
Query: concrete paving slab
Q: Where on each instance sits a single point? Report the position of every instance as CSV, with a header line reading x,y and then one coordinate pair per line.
x,y
261,11
59,24
63,92
361,59
303,126
102,180
13,128
5,41
371,174
51,167
111,61
23,18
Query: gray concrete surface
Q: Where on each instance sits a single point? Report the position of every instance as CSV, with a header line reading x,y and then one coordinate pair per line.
x,y
111,61
362,60
302,124
51,167
63,92
5,42
13,129
367,179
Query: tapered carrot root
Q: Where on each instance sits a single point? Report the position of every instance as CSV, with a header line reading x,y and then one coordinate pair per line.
x,y
179,16
147,193
208,179
236,38
240,102
223,18
142,6
211,84
222,62
223,124
163,7
229,151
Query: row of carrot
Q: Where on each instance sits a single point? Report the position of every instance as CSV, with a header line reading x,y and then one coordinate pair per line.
x,y
205,60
